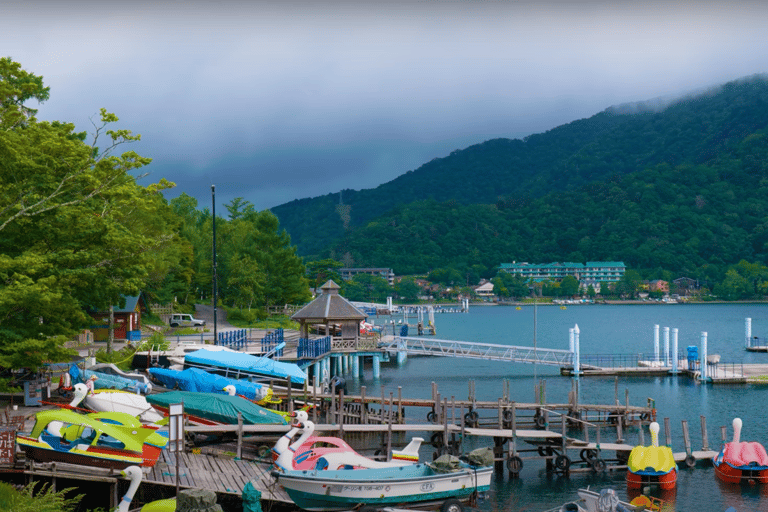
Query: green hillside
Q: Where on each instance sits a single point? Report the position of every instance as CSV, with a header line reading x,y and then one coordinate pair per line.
x,y
692,131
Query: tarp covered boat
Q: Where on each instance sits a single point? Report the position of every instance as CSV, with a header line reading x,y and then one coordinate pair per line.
x,y
239,365
215,409
107,381
195,379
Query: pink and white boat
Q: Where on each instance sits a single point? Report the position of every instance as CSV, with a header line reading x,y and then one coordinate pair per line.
x,y
331,453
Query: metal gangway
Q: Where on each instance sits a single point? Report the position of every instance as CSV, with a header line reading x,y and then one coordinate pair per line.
x,y
470,350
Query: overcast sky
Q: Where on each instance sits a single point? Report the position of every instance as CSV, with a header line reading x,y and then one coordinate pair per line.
x,y
274,101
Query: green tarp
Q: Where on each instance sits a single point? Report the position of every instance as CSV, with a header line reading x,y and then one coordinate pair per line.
x,y
218,408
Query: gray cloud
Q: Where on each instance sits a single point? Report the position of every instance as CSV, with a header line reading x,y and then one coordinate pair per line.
x,y
281,100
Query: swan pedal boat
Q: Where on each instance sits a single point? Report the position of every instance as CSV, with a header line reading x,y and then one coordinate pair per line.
x,y
652,465
741,461
330,453
111,441
112,400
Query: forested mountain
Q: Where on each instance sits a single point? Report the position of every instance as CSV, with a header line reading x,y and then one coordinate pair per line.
x,y
706,129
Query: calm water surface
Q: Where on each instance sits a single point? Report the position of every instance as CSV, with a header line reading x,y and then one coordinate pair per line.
x,y
604,329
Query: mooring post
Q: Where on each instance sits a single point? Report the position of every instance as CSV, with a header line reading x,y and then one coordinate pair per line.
x,y
400,404
389,429
704,438
686,438
445,422
453,410
723,432
641,431
438,417
341,413
289,399
668,431
499,414
364,409
620,429
239,435
332,409
675,364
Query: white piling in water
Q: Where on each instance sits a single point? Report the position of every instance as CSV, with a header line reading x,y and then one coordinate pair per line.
x,y
747,332
703,359
666,346
570,340
576,354
674,351
656,342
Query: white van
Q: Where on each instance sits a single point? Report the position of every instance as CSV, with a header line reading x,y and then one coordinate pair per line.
x,y
183,320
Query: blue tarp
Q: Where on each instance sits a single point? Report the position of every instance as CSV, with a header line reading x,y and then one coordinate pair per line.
x,y
247,363
195,379
106,381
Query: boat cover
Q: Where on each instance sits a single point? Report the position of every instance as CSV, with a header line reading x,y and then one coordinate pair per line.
x,y
745,454
195,379
218,408
247,363
106,381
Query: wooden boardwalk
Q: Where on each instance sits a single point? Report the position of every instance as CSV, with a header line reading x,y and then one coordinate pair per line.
x,y
222,475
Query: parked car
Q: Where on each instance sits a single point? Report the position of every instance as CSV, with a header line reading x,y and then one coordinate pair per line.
x,y
184,320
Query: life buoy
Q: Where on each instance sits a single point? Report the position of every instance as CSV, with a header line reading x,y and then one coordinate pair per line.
x,y
431,416
690,461
436,440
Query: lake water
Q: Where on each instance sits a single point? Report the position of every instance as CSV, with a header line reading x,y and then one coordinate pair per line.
x,y
604,329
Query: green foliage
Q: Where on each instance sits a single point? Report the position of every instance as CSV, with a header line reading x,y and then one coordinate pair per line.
x,y
407,289
510,174
34,499
366,288
245,317
510,285
76,231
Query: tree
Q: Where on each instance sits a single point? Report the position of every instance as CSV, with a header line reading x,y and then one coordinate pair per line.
x,y
510,285
407,289
76,230
322,270
569,286
629,283
366,287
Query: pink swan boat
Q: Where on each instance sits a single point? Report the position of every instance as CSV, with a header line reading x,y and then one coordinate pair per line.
x,y
739,461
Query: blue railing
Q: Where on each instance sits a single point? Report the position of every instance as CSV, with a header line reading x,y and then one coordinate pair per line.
x,y
309,348
271,340
233,339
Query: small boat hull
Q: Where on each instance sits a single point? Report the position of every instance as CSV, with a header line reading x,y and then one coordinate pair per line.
x,y
100,458
320,490
665,481
737,475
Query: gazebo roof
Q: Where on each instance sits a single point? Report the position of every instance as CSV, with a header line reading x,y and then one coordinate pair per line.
x,y
329,306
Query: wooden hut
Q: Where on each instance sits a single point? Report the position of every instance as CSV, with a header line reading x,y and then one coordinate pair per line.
x,y
330,313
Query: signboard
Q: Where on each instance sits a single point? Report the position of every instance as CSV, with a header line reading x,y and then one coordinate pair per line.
x,y
7,446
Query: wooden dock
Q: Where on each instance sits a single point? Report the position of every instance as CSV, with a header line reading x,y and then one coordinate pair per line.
x,y
223,475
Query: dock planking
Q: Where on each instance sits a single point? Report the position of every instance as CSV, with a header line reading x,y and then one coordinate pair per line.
x,y
219,474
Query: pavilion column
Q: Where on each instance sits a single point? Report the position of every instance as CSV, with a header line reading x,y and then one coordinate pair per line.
x,y
355,366
376,367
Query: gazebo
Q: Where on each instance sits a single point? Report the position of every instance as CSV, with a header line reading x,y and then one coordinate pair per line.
x,y
334,315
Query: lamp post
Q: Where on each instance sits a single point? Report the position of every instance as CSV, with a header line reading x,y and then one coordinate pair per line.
x,y
213,210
